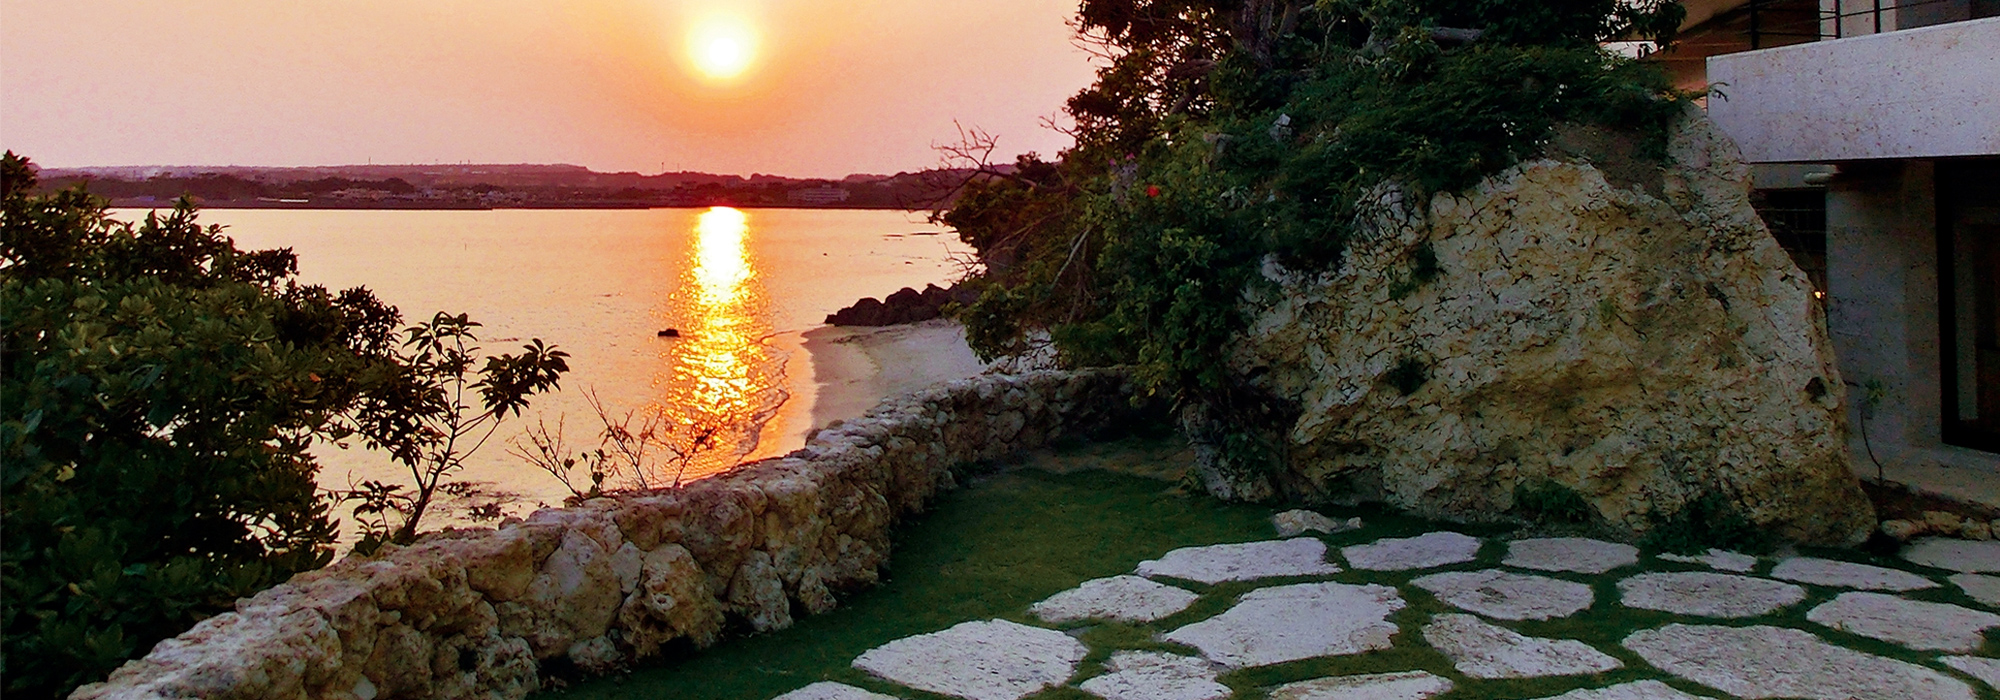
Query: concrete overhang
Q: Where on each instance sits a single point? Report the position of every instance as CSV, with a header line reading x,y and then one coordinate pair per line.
x,y
1920,93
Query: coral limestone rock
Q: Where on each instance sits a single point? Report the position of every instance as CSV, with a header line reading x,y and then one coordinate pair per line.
x,y
1300,621
1979,587
1826,572
1642,344
1151,675
1774,662
1483,650
829,690
1425,551
1407,685
1293,523
1707,595
1299,556
1119,598
991,660
1911,623
1639,690
1963,556
1720,560
1506,595
1578,554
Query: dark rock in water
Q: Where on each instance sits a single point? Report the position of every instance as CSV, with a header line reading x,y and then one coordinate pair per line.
x,y
905,306
671,333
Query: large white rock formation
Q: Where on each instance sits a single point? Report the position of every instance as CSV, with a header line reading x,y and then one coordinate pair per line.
x,y
1628,331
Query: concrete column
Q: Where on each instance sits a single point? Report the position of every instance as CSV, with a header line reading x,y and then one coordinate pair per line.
x,y
1882,299
1882,312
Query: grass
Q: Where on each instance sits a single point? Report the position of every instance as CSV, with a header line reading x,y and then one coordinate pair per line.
x,y
1019,532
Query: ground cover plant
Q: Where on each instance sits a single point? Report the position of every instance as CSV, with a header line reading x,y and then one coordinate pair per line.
x,y
1049,521
158,394
1223,134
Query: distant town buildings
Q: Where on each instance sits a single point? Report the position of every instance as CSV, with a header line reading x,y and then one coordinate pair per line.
x,y
818,196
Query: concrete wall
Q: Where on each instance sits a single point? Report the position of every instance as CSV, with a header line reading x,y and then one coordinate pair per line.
x,y
1882,310
474,614
1921,93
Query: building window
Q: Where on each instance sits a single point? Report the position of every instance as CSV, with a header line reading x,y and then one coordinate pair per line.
x,y
1969,300
1797,218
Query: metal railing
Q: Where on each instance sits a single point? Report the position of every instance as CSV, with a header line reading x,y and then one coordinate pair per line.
x,y
1782,20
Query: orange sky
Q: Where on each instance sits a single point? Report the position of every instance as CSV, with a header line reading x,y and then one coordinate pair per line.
x,y
837,86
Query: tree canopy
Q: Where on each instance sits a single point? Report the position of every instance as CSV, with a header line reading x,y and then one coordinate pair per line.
x,y
1223,133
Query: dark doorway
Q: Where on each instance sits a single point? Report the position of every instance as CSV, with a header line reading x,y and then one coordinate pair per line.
x,y
1969,300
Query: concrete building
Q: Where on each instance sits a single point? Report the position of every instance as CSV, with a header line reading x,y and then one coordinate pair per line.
x,y
1873,129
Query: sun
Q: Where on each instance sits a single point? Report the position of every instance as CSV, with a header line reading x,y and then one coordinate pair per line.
x,y
722,47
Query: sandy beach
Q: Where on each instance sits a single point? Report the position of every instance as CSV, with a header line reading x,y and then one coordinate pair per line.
x,y
854,368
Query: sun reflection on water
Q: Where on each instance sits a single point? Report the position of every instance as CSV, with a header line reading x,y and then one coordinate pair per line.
x,y
723,373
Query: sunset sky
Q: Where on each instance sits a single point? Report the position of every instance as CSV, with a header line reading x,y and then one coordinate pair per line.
x,y
791,87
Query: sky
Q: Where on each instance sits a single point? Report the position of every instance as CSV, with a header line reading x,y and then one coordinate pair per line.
x,y
827,87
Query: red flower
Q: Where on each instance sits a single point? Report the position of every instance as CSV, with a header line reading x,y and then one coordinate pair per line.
x,y
1152,190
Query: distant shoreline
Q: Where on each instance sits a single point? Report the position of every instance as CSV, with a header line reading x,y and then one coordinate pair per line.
x,y
446,206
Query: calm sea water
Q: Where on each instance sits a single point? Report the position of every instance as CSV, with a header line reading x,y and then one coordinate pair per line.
x,y
740,286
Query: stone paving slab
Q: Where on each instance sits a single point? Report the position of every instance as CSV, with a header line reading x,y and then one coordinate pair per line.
x,y
1421,552
1963,556
1578,554
1775,662
1979,587
1408,685
1639,690
1508,596
829,690
1120,598
1827,572
1985,669
1292,523
1912,623
1718,559
1483,650
1708,595
1300,556
991,660
1152,675
1299,621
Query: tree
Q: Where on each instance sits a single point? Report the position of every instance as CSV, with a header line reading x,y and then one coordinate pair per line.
x,y
424,419
1222,134
159,389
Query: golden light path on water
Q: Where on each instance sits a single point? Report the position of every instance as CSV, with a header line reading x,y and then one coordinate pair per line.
x,y
722,378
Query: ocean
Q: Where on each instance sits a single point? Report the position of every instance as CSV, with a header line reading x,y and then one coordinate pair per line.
x,y
738,287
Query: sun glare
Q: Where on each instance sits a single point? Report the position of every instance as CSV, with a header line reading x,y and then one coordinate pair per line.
x,y
722,47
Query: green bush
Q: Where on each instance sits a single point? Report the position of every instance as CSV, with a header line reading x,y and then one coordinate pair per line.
x,y
1709,521
1228,133
159,389
1546,502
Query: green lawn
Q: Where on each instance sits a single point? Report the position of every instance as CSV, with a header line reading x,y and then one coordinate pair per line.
x,y
1023,531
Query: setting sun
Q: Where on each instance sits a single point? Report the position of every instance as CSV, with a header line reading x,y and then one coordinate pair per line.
x,y
722,47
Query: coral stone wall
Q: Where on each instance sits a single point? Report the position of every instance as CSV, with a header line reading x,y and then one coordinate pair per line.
x,y
475,613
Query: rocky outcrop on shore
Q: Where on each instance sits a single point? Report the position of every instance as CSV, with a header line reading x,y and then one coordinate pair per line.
x,y
905,306
475,613
1626,332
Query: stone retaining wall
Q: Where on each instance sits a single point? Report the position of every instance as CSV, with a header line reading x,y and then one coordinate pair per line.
x,y
475,613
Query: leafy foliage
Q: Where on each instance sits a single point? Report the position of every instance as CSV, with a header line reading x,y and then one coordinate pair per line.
x,y
1225,133
423,418
1708,521
160,390
1550,503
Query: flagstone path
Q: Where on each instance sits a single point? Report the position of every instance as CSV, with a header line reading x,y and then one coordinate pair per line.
x,y
1720,625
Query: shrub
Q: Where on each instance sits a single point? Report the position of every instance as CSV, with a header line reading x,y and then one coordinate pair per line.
x,y
1225,134
159,389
